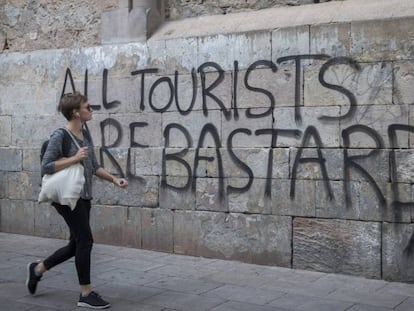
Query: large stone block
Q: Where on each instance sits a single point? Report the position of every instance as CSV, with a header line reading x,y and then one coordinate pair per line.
x,y
181,93
404,166
259,86
4,185
330,39
311,163
117,161
31,160
140,192
10,159
310,123
17,216
29,132
337,246
257,161
249,238
301,204
397,264
369,84
24,185
122,94
375,163
244,48
250,139
376,120
113,225
5,129
290,41
362,203
251,201
126,130
211,194
181,54
157,229
48,223
383,39
148,161
192,125
179,162
47,65
403,82
177,193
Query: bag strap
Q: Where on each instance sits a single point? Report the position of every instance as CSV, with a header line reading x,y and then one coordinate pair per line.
x,y
71,135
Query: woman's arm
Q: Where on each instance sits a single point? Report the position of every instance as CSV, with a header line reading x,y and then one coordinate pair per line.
x,y
66,162
104,174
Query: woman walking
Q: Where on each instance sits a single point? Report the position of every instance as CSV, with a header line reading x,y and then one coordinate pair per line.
x,y
77,111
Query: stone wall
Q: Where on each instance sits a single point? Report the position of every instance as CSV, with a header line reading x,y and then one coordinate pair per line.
x,y
50,24
179,9
288,146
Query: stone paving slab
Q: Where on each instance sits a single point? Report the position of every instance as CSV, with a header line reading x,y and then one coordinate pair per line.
x,y
135,279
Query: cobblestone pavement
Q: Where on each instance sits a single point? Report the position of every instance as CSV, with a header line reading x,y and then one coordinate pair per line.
x,y
134,279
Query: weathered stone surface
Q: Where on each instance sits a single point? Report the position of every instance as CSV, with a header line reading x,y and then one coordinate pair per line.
x,y
272,83
48,223
250,139
378,118
322,160
31,160
148,161
301,204
181,55
132,231
290,41
4,185
140,192
193,125
5,129
332,39
370,84
107,223
383,39
257,160
17,216
396,264
24,185
182,9
176,193
11,159
404,165
124,25
337,246
211,194
252,201
329,132
403,92
117,225
29,132
244,48
157,229
249,238
375,163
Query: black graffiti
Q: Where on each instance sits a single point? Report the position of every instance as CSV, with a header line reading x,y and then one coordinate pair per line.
x,y
201,76
352,161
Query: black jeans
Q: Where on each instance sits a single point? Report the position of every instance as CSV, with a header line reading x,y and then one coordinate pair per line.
x,y
80,240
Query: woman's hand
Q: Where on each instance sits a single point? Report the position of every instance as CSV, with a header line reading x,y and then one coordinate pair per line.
x,y
81,154
120,182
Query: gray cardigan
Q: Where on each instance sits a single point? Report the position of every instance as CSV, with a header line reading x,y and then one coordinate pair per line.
x,y
54,152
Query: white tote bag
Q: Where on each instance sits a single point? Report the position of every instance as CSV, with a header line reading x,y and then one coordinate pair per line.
x,y
64,186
